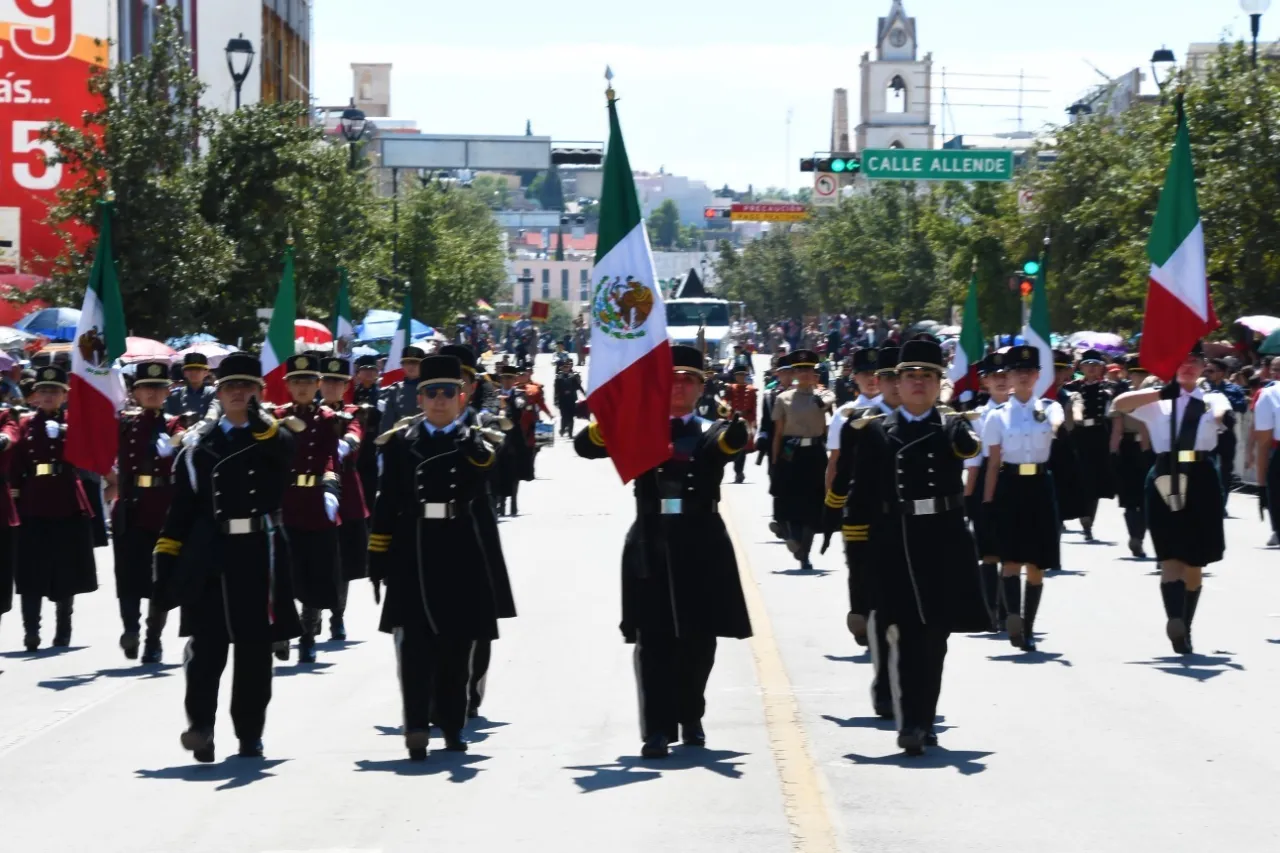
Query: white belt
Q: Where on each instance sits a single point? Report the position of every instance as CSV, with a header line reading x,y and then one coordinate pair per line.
x,y
801,442
439,510
1089,422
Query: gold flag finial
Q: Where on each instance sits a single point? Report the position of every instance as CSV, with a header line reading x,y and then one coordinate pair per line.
x,y
289,240
608,76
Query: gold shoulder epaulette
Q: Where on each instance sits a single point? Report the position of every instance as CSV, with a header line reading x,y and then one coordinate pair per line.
x,y
294,423
400,424
946,410
866,419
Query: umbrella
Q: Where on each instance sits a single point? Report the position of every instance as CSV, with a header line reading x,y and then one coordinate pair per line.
x,y
380,325
11,337
145,349
1095,340
184,341
1271,345
311,332
57,324
211,350
1260,323
949,330
364,350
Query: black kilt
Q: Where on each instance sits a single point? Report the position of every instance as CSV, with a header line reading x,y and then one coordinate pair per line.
x,y
353,541
316,561
131,548
1132,466
1025,518
7,542
799,482
55,557
1093,449
1194,535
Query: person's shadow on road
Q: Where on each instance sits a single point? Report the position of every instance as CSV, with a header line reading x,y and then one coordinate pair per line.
x,y
1196,666
147,672
456,764
965,762
629,769
234,772
46,652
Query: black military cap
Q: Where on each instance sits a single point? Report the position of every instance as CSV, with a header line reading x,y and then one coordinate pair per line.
x,y
366,361
866,360
888,360
151,373
1132,363
334,367
412,353
508,370
995,362
1023,357
920,355
687,359
464,354
440,369
302,365
240,367
195,359
1197,350
51,376
1062,358
1092,356
804,358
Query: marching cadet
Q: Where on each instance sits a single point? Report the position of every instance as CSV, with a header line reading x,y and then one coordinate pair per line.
x,y
1018,492
567,388
1069,484
400,399
1184,492
486,521
741,397
312,498
10,430
367,395
846,386
221,554
907,506
353,509
191,400
764,441
868,627
515,459
1131,449
800,456
145,481
680,585
995,382
1091,434
865,362
424,545
55,537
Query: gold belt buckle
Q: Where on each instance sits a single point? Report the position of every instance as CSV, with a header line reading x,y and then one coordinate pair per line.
x,y
306,480
1186,456
143,481
239,526
1028,469
44,469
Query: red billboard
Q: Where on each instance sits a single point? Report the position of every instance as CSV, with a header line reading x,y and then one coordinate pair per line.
x,y
48,49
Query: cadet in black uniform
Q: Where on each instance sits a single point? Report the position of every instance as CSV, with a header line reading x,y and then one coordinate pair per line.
x,y
367,395
680,585
908,502
800,456
191,400
1091,435
400,399
995,384
1133,460
221,557
440,599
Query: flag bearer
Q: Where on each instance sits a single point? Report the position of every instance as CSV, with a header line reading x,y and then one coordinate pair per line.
x,y
680,585
353,510
145,476
1018,492
55,538
221,557
1184,492
800,456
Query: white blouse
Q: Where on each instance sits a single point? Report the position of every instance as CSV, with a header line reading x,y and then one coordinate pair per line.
x,y
1156,417
979,426
1022,437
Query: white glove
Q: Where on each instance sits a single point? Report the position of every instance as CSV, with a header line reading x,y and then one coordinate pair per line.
x,y
53,429
164,447
191,437
331,505
343,449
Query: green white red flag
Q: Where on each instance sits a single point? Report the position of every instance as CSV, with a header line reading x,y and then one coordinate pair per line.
x,y
964,368
96,387
280,335
394,371
1179,310
344,330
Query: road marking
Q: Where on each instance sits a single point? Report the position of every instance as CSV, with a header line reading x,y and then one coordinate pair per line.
x,y
803,789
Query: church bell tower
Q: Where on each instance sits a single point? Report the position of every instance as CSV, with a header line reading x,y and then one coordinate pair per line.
x,y
897,90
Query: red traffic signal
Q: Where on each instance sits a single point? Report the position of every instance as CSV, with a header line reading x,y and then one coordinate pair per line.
x,y
1026,287
716,213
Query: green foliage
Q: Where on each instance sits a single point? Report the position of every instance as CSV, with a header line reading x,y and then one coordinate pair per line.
x,y
551,192
664,225
559,320
491,190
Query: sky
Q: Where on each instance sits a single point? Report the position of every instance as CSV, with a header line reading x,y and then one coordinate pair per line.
x,y
706,88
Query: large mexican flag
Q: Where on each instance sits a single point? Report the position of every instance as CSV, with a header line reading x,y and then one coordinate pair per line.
x,y
964,368
97,390
393,371
1179,311
280,335
629,380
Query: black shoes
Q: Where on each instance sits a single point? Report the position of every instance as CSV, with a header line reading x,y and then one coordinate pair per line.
x,y
152,652
913,741
200,743
655,746
1014,625
1176,630
31,642
250,748
1136,549
857,625
307,650
455,742
337,629
281,649
740,479
415,740
1087,526
62,638
930,739
692,734
883,711
417,753
129,643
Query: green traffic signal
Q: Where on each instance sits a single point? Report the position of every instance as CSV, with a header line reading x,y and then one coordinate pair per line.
x,y
1031,268
837,165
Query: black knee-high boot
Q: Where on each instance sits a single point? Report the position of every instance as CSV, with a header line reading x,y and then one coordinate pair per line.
x,y
1136,523
1191,601
990,574
1034,591
1174,594
1011,589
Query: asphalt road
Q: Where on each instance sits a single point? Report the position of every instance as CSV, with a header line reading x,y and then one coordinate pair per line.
x,y
1102,741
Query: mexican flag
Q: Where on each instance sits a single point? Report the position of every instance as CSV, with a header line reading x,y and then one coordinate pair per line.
x,y
280,335
97,389
629,384
964,369
344,331
394,372
1036,332
1179,311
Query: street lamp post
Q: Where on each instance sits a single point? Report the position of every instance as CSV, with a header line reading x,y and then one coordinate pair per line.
x,y
352,125
239,60
1254,9
1162,58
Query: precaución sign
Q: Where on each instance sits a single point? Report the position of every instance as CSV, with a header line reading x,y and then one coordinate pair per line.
x,y
896,164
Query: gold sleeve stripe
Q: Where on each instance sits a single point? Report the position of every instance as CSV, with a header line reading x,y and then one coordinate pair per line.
x,y
380,537
976,451
379,547
856,537
270,433
168,546
485,464
835,501
593,433
725,448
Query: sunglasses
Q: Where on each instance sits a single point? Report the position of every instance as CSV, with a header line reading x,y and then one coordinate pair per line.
x,y
449,391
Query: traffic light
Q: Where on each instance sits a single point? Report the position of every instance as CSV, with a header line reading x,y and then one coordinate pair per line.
x,y
1026,287
835,164
716,213
1031,268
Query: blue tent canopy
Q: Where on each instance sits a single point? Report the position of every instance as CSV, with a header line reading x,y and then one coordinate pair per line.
x,y
381,325
57,324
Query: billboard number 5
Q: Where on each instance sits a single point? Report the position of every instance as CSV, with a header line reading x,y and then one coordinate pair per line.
x,y
26,138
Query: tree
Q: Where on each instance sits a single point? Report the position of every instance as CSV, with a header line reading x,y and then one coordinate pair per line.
x,y
550,193
559,320
664,224
492,190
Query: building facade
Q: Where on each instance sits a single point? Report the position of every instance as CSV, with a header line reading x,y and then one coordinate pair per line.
x,y
897,89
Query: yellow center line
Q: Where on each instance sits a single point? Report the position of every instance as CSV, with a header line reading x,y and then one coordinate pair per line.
x,y
803,789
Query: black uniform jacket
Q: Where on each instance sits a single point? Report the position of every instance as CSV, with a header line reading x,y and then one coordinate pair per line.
x,y
229,583
426,538
185,400
921,565
487,523
679,573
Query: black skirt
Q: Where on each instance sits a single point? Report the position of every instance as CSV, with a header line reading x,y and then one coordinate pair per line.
x,y
353,539
132,549
7,537
1025,518
1068,477
55,557
316,562
1193,535
799,483
1132,466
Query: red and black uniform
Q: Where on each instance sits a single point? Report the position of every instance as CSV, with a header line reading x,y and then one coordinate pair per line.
x,y
145,494
353,507
9,430
741,398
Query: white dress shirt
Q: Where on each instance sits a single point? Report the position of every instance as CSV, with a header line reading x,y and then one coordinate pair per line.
x,y
984,414
1266,414
838,419
1021,436
1156,417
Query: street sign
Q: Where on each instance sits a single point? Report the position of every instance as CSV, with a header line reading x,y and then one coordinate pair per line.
x,y
826,190
898,164
768,212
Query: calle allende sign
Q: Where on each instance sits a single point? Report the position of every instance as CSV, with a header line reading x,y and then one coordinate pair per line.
x,y
899,164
